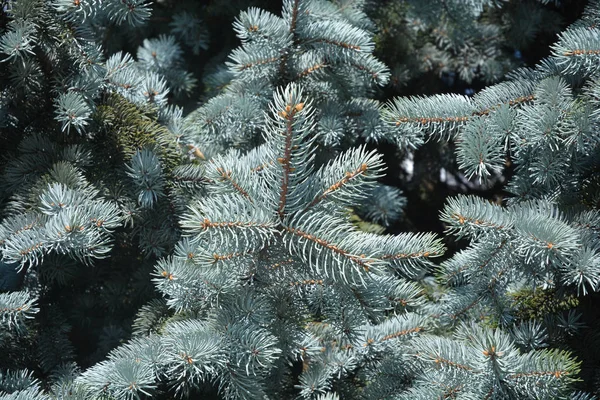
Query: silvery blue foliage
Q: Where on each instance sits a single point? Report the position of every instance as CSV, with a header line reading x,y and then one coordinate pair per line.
x,y
325,47
146,173
384,205
236,217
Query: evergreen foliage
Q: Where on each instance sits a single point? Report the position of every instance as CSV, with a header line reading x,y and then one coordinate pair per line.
x,y
461,41
324,46
252,247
